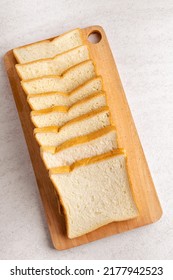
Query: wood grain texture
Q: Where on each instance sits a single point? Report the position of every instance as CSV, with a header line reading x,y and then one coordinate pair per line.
x,y
141,181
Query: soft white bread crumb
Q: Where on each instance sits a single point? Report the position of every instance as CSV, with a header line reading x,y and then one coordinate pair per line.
x,y
44,101
74,77
100,145
53,66
47,48
95,195
57,117
82,127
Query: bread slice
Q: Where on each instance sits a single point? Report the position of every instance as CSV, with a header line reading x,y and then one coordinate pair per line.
x,y
50,99
72,78
48,48
86,124
94,192
52,66
59,115
93,144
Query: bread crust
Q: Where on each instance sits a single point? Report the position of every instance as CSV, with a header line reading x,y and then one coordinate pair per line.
x,y
66,72
78,140
66,109
55,129
86,161
43,41
22,65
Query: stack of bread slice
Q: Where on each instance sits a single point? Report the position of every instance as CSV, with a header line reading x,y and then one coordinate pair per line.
x,y
78,143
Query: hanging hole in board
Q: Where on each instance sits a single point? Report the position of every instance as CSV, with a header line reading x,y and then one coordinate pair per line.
x,y
94,37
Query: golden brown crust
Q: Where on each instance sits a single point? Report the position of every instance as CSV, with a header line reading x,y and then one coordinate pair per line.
x,y
49,59
84,100
86,161
59,206
78,140
65,109
47,94
63,93
58,76
87,115
55,129
43,41
46,129
53,76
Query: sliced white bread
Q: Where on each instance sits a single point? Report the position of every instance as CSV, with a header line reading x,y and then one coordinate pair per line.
x,y
48,48
90,145
52,66
59,115
86,124
72,78
94,192
50,99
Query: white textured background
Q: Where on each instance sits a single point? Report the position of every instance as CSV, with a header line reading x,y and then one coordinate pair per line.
x,y
140,33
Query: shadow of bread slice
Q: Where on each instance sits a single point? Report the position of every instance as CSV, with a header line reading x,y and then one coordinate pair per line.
x,y
94,192
59,115
52,66
48,48
75,149
50,99
72,78
55,136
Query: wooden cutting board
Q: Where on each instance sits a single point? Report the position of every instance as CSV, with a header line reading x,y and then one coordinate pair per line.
x,y
142,184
